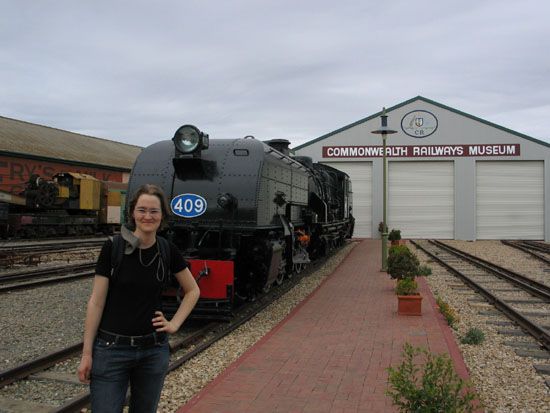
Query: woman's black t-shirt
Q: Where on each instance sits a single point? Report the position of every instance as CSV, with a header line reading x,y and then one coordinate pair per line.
x,y
135,293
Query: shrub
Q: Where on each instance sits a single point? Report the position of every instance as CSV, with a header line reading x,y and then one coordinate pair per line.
x,y
406,286
424,270
402,263
430,385
397,249
473,336
394,235
448,312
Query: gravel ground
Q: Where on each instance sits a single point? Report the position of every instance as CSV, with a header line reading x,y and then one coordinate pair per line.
x,y
504,381
507,257
31,326
182,384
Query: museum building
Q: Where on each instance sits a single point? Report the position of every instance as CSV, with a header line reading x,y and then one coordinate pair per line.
x,y
450,175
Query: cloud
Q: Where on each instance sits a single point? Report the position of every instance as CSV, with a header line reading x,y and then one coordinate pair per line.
x,y
134,71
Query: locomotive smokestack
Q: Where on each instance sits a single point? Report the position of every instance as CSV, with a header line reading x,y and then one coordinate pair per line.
x,y
280,145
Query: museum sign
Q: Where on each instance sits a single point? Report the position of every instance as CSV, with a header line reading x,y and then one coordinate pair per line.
x,y
421,151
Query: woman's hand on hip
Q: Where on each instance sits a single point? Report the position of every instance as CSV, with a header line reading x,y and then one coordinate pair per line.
x,y
161,324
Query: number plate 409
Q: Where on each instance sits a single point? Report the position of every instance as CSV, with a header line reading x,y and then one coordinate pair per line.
x,y
188,205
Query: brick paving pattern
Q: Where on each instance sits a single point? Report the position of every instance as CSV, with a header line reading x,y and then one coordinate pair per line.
x,y
331,353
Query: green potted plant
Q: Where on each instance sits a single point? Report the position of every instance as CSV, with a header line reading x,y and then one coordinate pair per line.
x,y
394,236
404,266
402,262
409,302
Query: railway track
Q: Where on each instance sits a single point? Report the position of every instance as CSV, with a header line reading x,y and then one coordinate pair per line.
x,y
31,252
50,244
182,350
540,251
524,301
45,276
37,369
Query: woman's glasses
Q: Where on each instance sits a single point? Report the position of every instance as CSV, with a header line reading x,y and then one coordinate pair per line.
x,y
154,212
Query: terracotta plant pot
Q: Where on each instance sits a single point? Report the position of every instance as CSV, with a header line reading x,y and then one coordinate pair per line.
x,y
409,304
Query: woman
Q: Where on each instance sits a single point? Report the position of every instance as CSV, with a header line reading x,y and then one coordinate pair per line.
x,y
125,333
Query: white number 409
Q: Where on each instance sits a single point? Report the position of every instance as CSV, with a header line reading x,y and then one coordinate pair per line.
x,y
188,205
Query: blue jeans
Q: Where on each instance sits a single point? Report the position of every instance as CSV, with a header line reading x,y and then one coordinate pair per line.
x,y
116,365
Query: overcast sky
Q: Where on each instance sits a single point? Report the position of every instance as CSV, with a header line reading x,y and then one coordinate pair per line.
x,y
134,71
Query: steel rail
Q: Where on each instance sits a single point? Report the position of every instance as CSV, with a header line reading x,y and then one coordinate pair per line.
x,y
537,245
534,287
535,330
26,369
45,272
527,249
11,255
46,247
83,400
40,283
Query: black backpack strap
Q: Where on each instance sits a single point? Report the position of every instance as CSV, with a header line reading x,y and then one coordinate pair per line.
x,y
117,253
164,248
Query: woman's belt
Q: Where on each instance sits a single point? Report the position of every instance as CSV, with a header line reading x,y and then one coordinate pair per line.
x,y
135,341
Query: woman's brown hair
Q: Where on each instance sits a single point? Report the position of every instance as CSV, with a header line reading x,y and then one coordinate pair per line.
x,y
148,189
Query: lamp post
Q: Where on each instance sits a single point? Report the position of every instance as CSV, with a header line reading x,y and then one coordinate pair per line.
x,y
384,131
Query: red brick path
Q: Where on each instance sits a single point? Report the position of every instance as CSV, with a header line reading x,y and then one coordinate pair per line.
x,y
331,353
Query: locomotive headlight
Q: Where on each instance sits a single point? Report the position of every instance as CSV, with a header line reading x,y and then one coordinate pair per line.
x,y
189,139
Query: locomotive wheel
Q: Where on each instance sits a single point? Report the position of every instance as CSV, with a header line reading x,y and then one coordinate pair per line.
x,y
281,276
298,268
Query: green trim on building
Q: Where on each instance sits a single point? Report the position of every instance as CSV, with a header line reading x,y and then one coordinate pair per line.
x,y
486,122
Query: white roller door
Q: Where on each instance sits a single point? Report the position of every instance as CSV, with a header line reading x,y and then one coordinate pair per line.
x,y
360,174
421,199
510,200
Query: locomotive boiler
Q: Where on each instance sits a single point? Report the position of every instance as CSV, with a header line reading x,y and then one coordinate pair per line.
x,y
245,213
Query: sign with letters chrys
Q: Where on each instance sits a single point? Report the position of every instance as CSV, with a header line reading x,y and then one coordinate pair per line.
x,y
419,123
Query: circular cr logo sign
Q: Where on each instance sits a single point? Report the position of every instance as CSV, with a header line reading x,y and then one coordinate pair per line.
x,y
419,123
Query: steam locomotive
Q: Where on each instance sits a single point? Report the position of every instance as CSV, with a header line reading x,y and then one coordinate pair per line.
x,y
68,204
246,214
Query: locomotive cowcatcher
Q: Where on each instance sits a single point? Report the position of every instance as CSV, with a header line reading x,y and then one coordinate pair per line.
x,y
245,213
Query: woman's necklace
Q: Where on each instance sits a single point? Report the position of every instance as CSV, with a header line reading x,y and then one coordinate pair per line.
x,y
150,262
